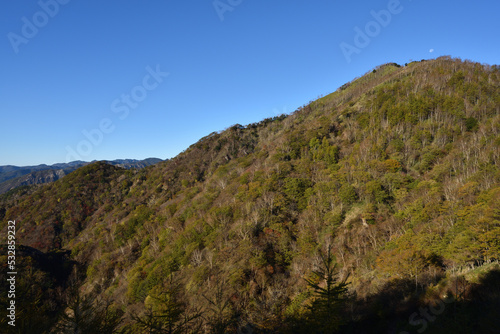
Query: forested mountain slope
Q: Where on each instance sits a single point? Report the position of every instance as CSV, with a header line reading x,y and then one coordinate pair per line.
x,y
396,173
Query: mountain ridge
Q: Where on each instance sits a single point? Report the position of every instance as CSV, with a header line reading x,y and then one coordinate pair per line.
x,y
396,173
12,177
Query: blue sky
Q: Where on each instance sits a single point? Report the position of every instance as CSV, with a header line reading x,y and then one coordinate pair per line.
x,y
71,67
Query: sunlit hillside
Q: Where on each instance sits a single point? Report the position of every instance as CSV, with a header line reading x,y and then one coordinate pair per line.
x,y
390,185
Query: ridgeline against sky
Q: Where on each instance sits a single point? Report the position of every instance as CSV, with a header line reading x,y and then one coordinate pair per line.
x,y
65,64
372,209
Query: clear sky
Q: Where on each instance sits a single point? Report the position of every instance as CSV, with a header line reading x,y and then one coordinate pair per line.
x,y
135,79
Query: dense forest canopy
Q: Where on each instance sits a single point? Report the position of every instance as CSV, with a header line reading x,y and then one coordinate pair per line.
x,y
352,214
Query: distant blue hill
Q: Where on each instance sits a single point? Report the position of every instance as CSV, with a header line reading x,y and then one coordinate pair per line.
x,y
14,176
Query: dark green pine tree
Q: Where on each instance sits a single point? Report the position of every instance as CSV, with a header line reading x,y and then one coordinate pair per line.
x,y
89,314
166,313
329,296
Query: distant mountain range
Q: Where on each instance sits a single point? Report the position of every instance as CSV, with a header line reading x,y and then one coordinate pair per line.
x,y
13,176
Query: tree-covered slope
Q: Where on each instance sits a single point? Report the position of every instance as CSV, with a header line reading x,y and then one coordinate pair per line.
x,y
397,173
